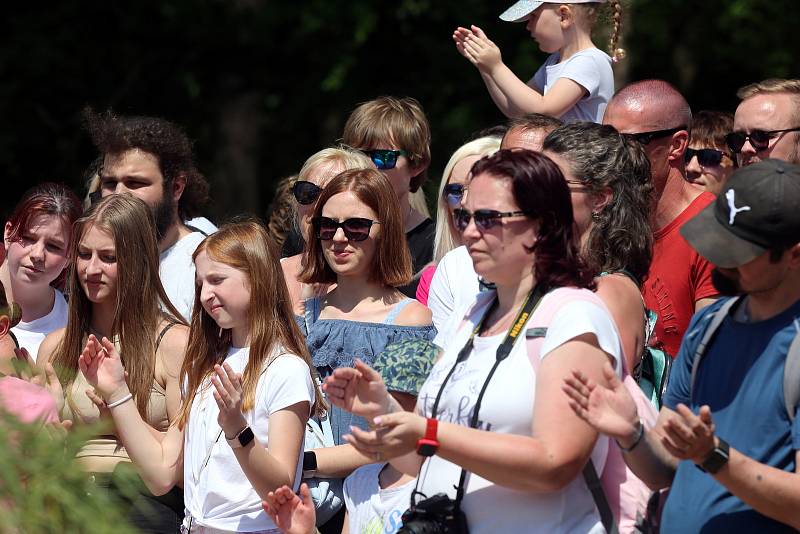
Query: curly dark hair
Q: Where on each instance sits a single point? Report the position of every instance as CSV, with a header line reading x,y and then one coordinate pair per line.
x,y
541,192
115,134
621,237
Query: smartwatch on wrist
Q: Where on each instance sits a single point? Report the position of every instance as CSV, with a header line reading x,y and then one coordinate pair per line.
x,y
309,464
242,439
428,445
717,458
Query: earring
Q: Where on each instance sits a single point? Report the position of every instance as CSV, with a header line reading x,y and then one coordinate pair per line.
x,y
220,333
595,216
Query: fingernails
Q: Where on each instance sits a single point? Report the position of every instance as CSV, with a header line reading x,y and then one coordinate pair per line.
x,y
377,420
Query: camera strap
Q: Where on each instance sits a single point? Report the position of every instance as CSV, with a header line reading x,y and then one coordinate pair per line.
x,y
528,307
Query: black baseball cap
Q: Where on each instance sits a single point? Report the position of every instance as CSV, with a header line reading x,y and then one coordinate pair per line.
x,y
758,210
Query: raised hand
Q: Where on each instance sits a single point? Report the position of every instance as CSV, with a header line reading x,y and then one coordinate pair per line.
x,y
358,390
394,434
228,394
101,365
292,514
611,411
460,36
480,50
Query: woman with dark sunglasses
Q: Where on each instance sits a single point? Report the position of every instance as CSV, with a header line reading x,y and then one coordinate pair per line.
x,y
522,449
451,192
359,246
315,173
709,161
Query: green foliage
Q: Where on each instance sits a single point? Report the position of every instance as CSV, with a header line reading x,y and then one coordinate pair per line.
x,y
42,490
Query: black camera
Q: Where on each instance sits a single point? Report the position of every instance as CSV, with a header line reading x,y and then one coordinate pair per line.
x,y
435,515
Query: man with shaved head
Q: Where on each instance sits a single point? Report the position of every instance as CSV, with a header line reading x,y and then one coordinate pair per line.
x,y
679,281
529,131
767,122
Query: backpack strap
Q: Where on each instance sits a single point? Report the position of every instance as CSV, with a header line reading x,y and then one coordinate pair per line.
x,y
708,335
534,337
791,375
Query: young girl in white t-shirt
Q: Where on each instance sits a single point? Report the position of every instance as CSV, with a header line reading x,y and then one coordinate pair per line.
x,y
236,441
576,81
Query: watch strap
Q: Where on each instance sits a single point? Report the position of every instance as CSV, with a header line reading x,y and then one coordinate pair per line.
x,y
242,439
717,458
428,445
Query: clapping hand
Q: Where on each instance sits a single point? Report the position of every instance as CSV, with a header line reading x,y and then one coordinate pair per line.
x,y
102,366
609,410
359,390
474,45
292,514
228,394
687,436
394,434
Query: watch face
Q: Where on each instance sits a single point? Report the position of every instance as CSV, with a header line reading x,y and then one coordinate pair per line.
x,y
246,437
718,458
427,447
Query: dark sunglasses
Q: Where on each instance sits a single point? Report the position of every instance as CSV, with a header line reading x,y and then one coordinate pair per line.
x,y
758,138
706,157
484,219
385,159
306,193
648,137
355,229
453,194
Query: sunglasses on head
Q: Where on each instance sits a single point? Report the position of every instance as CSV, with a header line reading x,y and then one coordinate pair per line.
x,y
758,138
484,219
453,194
385,159
648,137
306,193
355,228
706,157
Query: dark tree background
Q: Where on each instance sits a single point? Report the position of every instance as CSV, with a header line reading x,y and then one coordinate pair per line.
x,y
260,85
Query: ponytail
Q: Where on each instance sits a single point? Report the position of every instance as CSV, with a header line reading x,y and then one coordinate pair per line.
x,y
616,53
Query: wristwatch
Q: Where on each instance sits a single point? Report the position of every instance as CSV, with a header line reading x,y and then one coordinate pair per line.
x,y
309,464
242,439
717,458
428,445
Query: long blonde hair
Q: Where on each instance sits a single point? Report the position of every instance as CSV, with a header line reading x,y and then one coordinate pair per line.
x,y
445,240
245,246
137,315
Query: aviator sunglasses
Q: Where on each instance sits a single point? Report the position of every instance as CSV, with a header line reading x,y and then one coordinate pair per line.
x,y
758,138
706,157
355,228
484,219
385,159
306,192
453,194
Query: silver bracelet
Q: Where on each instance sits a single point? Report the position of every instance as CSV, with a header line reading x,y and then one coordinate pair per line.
x,y
123,400
639,436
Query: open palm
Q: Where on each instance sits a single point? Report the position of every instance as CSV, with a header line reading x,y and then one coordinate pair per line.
x,y
360,390
610,410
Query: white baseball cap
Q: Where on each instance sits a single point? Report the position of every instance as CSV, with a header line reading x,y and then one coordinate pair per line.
x,y
520,10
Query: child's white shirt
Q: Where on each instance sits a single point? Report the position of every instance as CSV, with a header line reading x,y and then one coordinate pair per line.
x,y
589,68
372,510
219,495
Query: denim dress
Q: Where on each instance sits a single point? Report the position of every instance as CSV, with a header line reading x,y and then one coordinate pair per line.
x,y
335,343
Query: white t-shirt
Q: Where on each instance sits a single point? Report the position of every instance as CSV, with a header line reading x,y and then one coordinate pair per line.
x,y
372,509
589,68
202,224
220,495
507,407
30,335
176,270
454,286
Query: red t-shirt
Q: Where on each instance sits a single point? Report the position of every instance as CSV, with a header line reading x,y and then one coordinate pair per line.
x,y
678,278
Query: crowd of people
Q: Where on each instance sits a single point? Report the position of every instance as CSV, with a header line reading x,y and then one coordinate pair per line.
x,y
359,366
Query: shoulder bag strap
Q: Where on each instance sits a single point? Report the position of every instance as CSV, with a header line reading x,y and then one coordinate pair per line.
x,y
791,376
711,330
